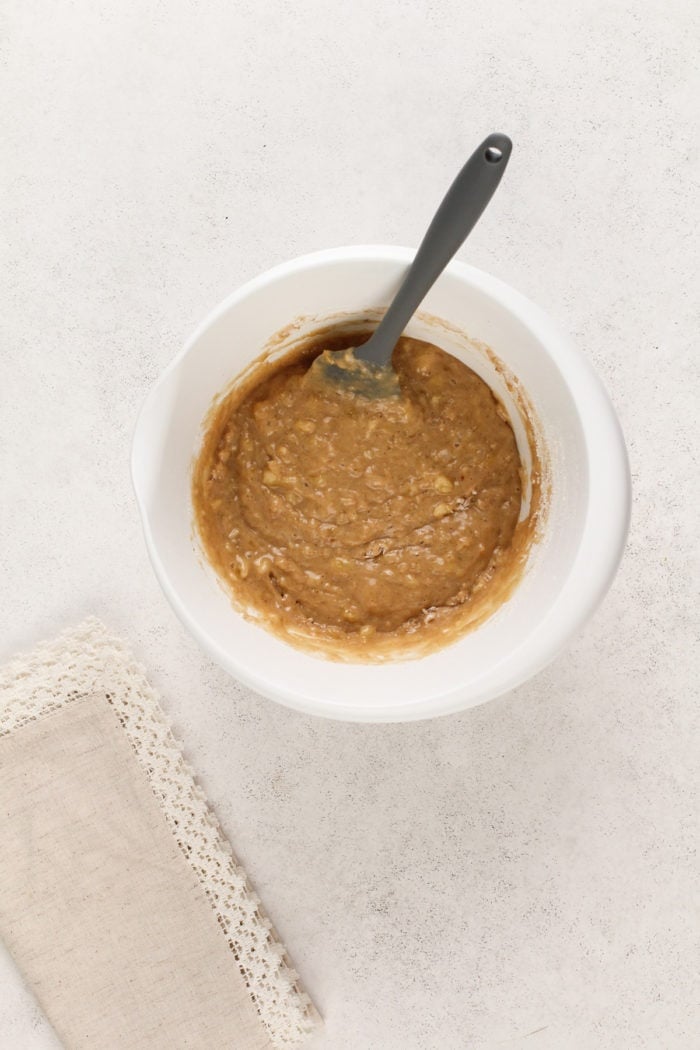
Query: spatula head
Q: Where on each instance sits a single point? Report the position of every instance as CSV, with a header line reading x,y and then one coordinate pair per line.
x,y
344,369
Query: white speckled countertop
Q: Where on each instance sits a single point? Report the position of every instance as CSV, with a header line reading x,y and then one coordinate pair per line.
x,y
522,875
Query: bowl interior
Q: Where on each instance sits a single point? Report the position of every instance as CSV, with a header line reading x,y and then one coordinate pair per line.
x,y
494,656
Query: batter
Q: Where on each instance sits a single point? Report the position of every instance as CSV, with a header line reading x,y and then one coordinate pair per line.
x,y
363,528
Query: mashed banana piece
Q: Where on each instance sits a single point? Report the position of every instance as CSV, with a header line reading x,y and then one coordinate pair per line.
x,y
363,528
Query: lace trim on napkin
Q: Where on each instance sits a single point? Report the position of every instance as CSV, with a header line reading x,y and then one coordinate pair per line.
x,y
88,659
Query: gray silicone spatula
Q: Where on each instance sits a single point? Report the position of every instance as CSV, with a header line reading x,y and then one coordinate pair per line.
x,y
453,222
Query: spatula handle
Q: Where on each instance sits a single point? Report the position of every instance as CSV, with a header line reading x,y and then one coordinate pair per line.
x,y
454,220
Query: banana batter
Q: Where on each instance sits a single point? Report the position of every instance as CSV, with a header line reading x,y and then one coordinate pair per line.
x,y
365,529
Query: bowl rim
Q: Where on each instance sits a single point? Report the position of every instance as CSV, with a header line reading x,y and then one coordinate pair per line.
x,y
603,535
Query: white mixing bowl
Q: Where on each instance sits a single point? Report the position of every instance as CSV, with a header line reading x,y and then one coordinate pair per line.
x,y
568,572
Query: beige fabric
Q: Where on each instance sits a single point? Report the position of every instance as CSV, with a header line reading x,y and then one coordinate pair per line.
x,y
88,660
102,912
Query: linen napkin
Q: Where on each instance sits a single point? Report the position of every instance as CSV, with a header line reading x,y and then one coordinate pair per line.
x,y
120,898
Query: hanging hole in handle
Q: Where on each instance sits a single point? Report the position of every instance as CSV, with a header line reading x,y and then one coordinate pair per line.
x,y
493,154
